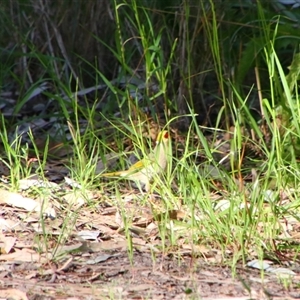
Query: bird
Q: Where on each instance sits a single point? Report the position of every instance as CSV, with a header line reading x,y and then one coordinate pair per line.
x,y
144,170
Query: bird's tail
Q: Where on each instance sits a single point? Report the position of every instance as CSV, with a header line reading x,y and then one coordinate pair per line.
x,y
113,174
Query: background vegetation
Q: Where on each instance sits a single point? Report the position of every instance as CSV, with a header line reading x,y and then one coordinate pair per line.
x,y
180,53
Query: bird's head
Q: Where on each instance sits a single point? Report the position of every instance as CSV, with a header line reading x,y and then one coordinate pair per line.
x,y
163,136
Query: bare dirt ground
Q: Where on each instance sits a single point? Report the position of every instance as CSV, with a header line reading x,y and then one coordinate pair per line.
x,y
116,278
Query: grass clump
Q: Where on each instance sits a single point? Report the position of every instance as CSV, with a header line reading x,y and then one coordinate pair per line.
x,y
220,85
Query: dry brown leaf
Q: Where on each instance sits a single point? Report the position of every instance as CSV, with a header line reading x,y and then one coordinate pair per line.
x,y
110,221
103,246
25,255
7,225
13,294
17,200
75,199
140,287
78,198
25,184
8,241
88,234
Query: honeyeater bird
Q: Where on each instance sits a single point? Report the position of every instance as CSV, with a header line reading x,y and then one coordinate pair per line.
x,y
144,170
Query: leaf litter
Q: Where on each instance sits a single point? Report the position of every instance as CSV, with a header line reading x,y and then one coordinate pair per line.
x,y
94,250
